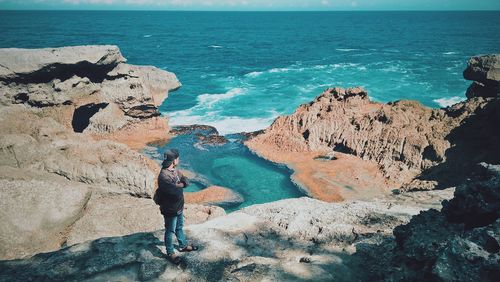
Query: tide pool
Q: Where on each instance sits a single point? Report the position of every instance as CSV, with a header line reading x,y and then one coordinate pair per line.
x,y
233,166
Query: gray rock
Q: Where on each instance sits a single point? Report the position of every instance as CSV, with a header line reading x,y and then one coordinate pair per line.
x,y
37,211
485,72
18,63
460,243
32,142
82,80
119,215
484,69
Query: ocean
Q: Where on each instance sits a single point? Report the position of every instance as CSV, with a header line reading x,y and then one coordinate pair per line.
x,y
240,70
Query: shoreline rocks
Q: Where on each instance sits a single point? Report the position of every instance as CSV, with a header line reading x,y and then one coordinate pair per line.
x,y
485,72
458,243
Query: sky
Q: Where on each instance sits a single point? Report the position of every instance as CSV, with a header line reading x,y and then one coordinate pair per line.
x,y
250,5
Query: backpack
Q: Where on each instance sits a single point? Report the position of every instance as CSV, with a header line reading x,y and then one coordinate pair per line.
x,y
156,197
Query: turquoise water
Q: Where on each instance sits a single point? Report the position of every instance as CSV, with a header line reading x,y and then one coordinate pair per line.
x,y
240,70
231,165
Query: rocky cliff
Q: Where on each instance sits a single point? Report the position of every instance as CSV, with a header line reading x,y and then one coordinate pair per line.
x,y
413,146
69,119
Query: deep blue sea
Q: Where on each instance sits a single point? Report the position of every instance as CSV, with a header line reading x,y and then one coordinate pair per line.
x,y
240,70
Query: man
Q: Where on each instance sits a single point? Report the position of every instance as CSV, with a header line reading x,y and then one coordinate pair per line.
x,y
170,197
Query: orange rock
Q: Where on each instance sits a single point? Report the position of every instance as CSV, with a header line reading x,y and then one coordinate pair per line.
x,y
214,195
136,135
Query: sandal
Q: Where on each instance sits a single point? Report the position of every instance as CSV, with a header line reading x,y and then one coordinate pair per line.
x,y
189,248
175,259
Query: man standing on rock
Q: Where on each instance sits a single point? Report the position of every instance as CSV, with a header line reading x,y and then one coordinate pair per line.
x,y
170,197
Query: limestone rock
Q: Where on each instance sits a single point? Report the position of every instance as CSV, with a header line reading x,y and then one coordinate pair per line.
x,y
460,243
484,69
31,142
40,64
37,211
89,89
119,215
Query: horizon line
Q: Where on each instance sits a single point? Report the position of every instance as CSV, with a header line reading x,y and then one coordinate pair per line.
x,y
280,10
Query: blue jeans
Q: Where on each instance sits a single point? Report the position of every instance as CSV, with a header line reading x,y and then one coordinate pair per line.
x,y
174,225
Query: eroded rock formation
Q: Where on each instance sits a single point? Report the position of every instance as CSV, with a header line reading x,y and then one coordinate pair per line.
x,y
90,89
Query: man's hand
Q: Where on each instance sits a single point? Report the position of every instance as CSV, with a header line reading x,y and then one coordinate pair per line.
x,y
185,181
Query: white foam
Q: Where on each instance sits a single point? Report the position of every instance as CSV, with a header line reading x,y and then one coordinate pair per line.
x,y
215,46
450,53
208,100
449,101
276,70
298,68
253,74
346,49
148,35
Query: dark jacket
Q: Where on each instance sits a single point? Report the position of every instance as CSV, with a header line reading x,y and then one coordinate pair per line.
x,y
169,195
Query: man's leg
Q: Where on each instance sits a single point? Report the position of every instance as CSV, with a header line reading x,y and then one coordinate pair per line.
x,y
179,231
170,227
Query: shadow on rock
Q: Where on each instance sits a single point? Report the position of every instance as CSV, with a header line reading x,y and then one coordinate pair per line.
x,y
476,140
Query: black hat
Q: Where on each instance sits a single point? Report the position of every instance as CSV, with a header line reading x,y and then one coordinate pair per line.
x,y
169,156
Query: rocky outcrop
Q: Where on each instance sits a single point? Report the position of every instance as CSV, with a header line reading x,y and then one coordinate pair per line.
x,y
403,138
32,141
485,72
205,134
94,90
460,243
273,240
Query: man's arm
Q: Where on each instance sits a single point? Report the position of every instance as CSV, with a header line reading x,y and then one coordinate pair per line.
x,y
183,179
165,181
